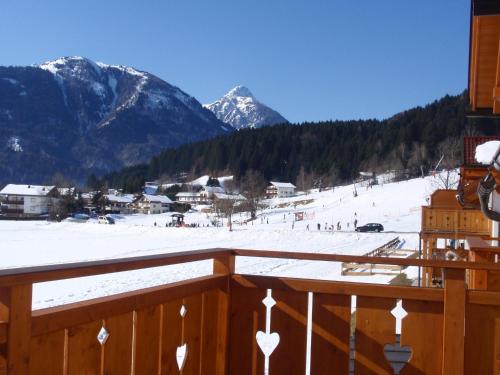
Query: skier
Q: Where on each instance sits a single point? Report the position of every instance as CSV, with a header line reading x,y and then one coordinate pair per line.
x,y
307,227
355,223
319,226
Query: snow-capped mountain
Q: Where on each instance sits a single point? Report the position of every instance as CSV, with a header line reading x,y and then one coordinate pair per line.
x,y
75,116
242,110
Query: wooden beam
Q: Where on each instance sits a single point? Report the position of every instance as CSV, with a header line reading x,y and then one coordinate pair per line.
x,y
454,322
363,259
37,274
19,330
340,288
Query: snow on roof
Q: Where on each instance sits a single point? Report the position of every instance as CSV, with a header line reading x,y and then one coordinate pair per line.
x,y
32,190
487,151
282,184
184,194
213,189
236,197
125,198
157,198
150,189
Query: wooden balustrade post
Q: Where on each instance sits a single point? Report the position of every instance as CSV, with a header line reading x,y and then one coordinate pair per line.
x,y
15,312
224,265
454,322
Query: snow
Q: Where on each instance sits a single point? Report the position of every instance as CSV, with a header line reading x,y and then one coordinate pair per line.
x,y
124,198
487,151
241,109
31,190
395,205
282,184
14,143
203,180
12,81
157,198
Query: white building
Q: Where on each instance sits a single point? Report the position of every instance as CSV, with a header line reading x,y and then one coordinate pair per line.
x,y
280,190
153,204
27,200
204,196
120,203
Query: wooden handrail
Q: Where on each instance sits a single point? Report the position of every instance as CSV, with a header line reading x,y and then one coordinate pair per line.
x,y
37,274
370,260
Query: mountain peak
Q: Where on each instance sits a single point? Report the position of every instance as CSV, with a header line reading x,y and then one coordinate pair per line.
x,y
241,109
240,91
69,62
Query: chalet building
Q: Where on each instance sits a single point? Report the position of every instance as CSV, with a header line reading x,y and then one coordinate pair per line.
x,y
280,190
153,204
205,195
118,203
27,200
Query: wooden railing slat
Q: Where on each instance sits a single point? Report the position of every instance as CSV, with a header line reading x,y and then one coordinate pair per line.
x,y
375,327
171,337
47,354
289,320
117,355
422,330
330,334
248,316
147,341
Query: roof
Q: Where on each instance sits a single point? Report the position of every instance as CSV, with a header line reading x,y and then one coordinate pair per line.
x,y
30,190
184,194
236,197
213,189
283,184
157,198
150,190
125,198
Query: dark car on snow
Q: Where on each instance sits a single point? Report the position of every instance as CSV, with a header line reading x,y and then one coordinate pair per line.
x,y
371,227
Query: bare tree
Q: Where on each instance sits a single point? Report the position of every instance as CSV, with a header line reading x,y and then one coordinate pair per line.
x,y
253,185
226,207
445,174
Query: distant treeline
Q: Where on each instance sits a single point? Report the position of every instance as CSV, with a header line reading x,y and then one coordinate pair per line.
x,y
329,151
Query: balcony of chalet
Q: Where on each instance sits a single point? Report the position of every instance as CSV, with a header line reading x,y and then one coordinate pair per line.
x,y
484,58
233,323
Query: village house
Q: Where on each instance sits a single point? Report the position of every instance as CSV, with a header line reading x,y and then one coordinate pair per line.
x,y
280,190
204,196
152,204
118,203
27,200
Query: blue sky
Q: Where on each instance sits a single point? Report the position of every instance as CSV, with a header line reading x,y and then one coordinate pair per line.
x,y
311,60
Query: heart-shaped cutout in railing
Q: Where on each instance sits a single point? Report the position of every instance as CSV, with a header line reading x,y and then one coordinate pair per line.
x,y
267,342
181,354
397,356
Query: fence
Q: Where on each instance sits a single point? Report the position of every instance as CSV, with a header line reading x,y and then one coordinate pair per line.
x,y
224,322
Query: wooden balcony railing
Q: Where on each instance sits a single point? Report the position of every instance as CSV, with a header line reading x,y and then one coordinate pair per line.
x,y
217,324
459,222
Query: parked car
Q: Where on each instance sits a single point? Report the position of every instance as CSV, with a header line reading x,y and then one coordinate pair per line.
x,y
371,227
105,220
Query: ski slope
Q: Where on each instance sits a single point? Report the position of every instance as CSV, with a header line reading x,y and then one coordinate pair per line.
x,y
395,205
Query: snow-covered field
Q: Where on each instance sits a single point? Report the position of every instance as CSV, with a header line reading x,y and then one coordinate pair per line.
x,y
395,205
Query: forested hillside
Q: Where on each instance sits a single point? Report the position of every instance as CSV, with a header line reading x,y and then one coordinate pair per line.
x,y
333,151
